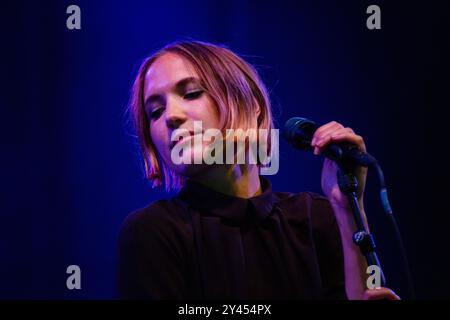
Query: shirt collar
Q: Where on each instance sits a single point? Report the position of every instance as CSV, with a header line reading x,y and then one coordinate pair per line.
x,y
215,203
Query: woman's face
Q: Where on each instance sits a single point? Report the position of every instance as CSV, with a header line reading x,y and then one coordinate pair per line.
x,y
174,99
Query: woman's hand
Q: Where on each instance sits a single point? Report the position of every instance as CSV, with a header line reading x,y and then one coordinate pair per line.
x,y
380,294
336,132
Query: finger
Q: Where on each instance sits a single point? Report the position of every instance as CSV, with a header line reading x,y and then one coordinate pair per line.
x,y
339,135
324,142
330,133
319,132
343,131
321,143
350,138
380,294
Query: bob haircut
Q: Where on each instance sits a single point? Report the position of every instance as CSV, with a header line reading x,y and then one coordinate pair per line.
x,y
233,84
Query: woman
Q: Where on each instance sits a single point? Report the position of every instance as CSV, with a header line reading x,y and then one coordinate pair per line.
x,y
227,235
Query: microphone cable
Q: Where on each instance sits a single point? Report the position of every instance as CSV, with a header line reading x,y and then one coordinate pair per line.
x,y
388,211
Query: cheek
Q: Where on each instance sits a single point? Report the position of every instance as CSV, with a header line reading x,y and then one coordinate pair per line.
x,y
210,113
158,138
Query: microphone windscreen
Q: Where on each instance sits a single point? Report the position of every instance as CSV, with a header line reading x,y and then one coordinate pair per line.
x,y
299,132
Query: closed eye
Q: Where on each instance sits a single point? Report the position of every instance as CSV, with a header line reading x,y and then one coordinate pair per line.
x,y
155,114
193,95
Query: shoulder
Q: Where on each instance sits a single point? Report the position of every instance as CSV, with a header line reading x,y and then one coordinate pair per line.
x,y
154,247
162,218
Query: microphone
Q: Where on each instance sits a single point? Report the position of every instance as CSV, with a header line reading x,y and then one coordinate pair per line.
x,y
300,131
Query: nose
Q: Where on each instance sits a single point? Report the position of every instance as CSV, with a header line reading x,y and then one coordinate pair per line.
x,y
175,115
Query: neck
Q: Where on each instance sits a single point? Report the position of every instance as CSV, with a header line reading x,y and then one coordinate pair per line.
x,y
240,181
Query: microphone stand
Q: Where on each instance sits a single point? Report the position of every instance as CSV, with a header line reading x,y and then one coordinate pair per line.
x,y
348,184
298,132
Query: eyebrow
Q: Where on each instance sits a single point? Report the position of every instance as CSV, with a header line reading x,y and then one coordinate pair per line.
x,y
179,86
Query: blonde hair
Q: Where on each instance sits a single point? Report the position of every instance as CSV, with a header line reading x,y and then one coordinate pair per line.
x,y
233,84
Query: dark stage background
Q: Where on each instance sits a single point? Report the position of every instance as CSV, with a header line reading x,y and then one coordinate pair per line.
x,y
70,171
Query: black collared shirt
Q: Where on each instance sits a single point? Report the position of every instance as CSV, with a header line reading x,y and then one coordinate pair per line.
x,y
203,244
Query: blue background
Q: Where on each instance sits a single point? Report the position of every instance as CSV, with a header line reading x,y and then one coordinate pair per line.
x,y
70,167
